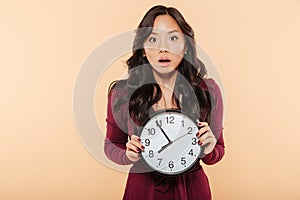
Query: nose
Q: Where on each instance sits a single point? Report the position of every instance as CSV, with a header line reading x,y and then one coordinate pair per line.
x,y
163,47
163,50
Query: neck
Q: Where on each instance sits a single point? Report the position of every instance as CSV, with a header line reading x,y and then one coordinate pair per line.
x,y
166,81
166,84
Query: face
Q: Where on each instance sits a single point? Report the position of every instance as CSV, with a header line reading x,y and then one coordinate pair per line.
x,y
165,46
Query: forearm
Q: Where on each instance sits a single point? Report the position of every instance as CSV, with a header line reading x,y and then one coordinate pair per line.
x,y
116,152
217,154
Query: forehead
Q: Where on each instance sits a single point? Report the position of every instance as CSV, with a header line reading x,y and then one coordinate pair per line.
x,y
165,23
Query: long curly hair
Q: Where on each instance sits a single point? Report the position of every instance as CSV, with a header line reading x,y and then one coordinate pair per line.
x,y
144,92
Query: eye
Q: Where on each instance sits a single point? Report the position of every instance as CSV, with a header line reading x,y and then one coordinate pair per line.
x,y
173,38
152,39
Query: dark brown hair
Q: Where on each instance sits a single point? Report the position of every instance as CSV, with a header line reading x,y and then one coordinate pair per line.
x,y
143,91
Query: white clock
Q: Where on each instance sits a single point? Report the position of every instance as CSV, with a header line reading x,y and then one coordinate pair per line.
x,y
171,145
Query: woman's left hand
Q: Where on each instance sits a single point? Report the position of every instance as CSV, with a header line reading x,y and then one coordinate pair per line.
x,y
207,140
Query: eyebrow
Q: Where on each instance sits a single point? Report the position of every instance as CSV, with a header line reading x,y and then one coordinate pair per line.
x,y
154,33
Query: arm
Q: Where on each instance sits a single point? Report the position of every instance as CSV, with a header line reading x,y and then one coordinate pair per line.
x,y
116,138
217,154
216,124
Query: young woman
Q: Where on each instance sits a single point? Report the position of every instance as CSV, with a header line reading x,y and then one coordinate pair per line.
x,y
164,73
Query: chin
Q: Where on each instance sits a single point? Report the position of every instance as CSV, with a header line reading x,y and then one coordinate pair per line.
x,y
166,71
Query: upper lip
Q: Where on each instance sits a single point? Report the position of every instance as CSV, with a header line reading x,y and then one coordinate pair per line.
x,y
163,58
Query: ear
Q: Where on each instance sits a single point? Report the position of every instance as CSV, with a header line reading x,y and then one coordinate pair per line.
x,y
185,51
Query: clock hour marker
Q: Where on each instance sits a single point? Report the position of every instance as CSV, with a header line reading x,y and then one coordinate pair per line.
x,y
147,142
170,119
151,131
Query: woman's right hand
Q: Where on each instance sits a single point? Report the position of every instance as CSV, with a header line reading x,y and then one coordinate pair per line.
x,y
134,148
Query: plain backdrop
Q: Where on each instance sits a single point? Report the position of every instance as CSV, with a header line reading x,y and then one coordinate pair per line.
x,y
254,44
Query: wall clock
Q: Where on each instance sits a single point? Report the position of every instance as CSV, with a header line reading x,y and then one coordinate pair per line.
x,y
171,145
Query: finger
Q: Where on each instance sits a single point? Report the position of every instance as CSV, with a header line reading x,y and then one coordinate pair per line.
x,y
137,141
202,131
202,124
138,144
209,140
130,146
205,136
135,138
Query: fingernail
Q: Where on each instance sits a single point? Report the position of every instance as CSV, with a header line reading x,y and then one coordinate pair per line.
x,y
198,134
143,147
139,139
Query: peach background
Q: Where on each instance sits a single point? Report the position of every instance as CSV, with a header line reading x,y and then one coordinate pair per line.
x,y
255,45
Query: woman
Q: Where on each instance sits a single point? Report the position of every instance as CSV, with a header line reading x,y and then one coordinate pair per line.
x,y
164,73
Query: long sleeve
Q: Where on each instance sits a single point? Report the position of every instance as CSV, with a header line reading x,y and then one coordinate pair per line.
x,y
216,123
116,137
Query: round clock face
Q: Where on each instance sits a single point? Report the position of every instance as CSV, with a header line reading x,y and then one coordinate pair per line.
x,y
171,145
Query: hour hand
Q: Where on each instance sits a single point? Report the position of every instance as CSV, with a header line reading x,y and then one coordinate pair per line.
x,y
163,147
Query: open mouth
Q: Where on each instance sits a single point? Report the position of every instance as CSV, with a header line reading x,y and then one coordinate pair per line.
x,y
164,62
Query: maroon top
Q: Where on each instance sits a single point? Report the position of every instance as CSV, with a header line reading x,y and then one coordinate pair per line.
x,y
192,185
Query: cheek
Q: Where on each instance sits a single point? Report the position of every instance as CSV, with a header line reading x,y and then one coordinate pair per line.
x,y
177,59
178,49
150,53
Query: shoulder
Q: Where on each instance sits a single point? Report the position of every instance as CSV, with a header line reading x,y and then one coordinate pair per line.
x,y
211,86
117,104
118,89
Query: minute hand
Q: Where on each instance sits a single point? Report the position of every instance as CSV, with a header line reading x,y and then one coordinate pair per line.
x,y
162,130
